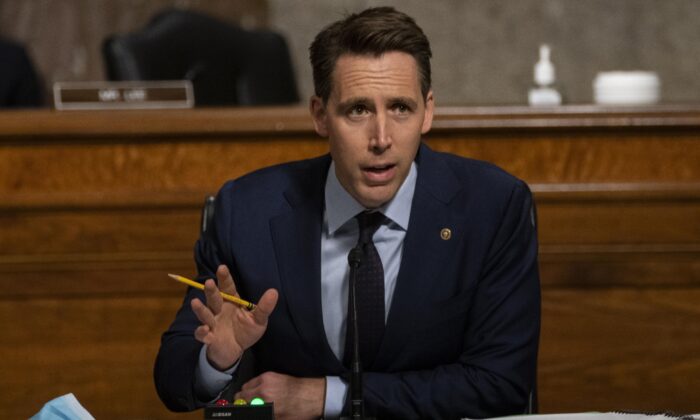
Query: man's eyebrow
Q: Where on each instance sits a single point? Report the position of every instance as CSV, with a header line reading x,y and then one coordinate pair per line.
x,y
350,102
404,99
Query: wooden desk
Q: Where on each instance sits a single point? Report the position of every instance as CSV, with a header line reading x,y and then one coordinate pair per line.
x,y
95,208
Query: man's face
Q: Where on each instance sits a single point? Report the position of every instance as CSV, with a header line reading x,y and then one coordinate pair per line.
x,y
374,118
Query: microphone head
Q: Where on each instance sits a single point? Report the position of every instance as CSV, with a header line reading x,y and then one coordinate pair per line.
x,y
355,257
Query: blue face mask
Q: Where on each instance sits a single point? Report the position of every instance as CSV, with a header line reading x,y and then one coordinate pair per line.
x,y
66,407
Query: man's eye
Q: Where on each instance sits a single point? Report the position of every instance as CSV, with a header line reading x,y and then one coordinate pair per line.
x,y
356,110
401,108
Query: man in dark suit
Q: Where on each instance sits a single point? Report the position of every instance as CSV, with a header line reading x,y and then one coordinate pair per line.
x,y
456,241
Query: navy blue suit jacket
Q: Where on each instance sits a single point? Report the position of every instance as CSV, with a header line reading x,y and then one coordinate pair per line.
x,y
462,332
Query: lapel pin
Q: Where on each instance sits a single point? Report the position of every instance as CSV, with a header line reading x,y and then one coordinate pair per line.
x,y
445,234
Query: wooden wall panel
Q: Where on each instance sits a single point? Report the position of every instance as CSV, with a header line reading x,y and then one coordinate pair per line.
x,y
70,232
142,166
613,223
620,349
96,207
583,156
99,348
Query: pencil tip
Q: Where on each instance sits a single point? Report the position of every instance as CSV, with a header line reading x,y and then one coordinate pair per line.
x,y
174,276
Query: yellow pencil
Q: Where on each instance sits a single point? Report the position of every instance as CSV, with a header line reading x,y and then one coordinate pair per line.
x,y
238,301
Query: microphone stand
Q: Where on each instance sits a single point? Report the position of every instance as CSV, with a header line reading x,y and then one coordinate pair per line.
x,y
357,405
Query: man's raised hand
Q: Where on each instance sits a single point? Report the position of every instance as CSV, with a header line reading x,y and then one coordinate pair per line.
x,y
228,329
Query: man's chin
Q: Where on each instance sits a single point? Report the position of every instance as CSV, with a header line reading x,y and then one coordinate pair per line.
x,y
376,196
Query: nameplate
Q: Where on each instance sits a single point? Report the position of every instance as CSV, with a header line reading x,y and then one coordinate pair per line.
x,y
123,95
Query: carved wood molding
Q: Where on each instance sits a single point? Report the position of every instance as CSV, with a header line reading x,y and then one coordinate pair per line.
x,y
273,121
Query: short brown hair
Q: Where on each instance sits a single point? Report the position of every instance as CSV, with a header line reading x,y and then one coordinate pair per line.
x,y
373,31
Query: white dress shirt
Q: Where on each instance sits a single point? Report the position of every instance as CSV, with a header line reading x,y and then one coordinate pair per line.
x,y
339,235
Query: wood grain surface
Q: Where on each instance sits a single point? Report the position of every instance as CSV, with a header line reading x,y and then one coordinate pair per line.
x,y
95,208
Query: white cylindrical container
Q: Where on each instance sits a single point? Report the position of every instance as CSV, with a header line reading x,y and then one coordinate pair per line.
x,y
626,88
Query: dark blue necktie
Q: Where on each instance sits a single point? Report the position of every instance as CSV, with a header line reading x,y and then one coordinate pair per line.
x,y
369,290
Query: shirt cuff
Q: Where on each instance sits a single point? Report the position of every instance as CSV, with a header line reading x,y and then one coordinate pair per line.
x,y
209,380
336,392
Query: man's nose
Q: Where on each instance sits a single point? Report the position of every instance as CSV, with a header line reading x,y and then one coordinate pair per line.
x,y
380,138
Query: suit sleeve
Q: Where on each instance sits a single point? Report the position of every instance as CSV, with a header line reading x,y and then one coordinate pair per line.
x,y
495,373
174,370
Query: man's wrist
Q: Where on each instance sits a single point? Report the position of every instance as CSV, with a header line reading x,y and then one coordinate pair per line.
x,y
219,368
210,381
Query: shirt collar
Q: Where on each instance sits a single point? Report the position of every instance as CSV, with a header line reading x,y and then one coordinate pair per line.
x,y
341,206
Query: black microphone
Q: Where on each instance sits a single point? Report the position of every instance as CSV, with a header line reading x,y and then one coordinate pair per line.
x,y
357,410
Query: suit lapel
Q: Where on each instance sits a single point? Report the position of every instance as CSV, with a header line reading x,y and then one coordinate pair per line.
x,y
425,252
296,237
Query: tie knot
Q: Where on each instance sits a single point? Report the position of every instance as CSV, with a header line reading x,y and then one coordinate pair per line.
x,y
369,223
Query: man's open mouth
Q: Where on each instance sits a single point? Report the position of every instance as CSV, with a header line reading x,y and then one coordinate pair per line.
x,y
379,168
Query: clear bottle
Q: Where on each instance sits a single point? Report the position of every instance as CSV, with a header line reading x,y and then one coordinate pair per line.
x,y
544,93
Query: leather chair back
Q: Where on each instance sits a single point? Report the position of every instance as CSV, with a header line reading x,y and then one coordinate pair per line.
x,y
227,65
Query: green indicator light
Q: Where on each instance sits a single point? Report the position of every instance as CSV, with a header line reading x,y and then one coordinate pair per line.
x,y
257,401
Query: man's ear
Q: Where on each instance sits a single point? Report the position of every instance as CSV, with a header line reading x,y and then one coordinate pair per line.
x,y
428,116
318,113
